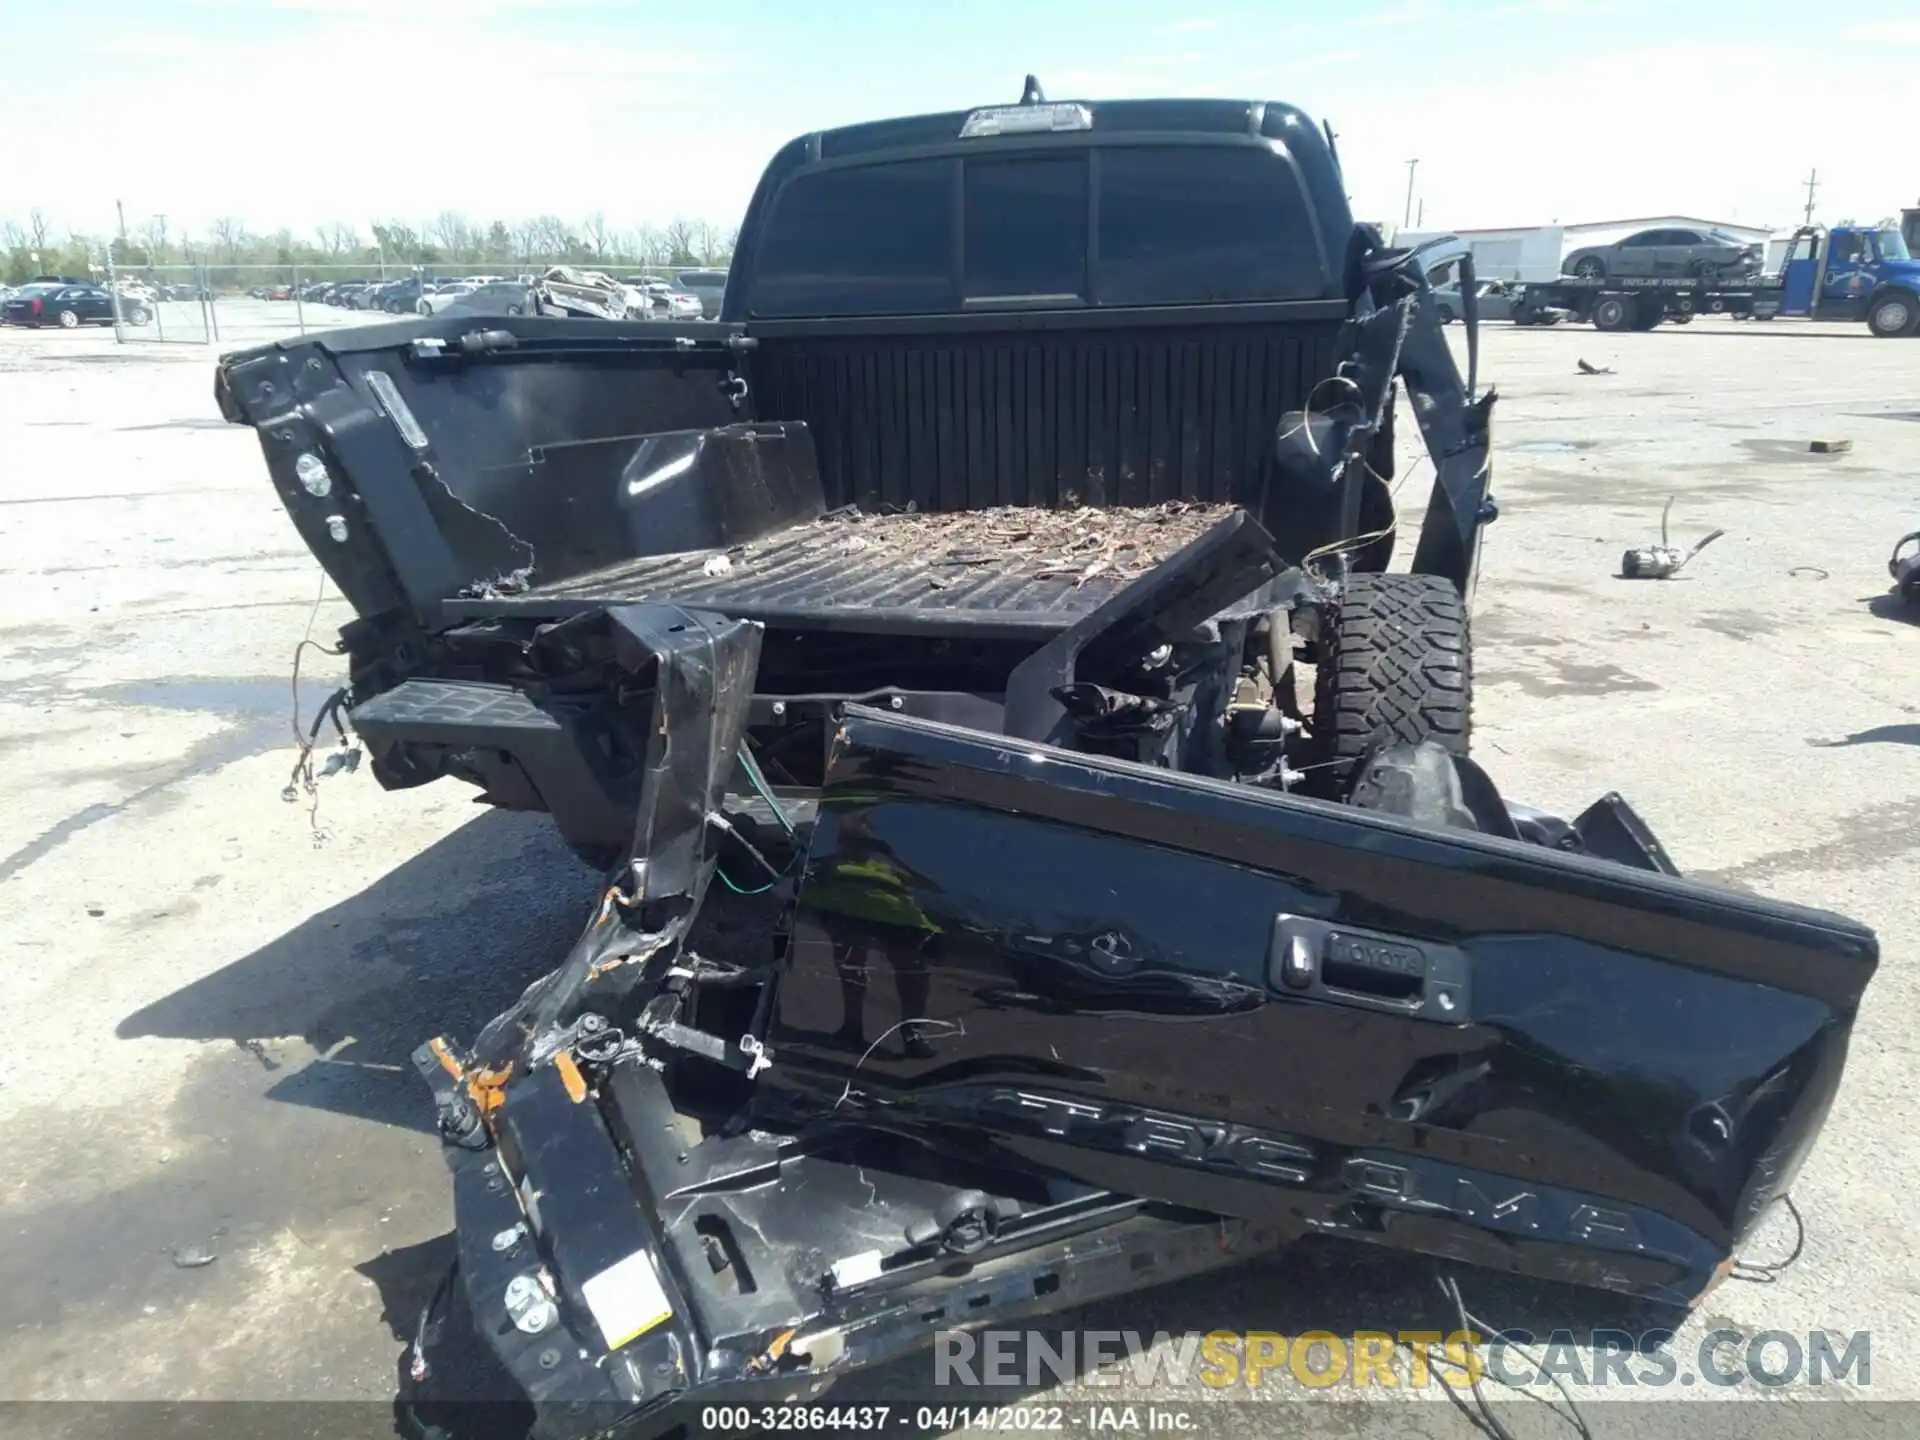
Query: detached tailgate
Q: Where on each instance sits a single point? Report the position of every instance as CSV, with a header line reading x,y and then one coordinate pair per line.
x,y
1246,1003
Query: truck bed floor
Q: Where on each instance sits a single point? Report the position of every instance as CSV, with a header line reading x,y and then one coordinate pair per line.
x,y
1010,570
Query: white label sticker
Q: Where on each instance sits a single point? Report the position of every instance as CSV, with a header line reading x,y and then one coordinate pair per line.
x,y
626,1299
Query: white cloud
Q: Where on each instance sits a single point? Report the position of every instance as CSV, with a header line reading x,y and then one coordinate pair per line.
x,y
1884,32
386,113
1506,146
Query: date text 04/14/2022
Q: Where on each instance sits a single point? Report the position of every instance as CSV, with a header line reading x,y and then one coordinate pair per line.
x,y
941,1419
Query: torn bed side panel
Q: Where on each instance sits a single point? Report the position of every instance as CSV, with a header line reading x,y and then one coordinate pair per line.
x,y
702,667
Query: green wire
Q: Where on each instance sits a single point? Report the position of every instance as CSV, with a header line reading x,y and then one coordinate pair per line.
x,y
759,783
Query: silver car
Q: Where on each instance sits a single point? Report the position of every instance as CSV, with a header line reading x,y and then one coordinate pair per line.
x,y
1495,300
1700,254
709,285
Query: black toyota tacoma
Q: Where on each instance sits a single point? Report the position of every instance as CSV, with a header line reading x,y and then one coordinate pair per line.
x,y
1000,596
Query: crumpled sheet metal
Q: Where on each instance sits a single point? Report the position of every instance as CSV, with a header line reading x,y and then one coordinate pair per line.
x,y
706,664
585,292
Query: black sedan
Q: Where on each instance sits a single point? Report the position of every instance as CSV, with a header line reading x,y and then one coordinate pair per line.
x,y
70,306
396,297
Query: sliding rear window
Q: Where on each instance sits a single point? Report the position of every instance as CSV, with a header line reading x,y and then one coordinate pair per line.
x,y
1174,224
1193,224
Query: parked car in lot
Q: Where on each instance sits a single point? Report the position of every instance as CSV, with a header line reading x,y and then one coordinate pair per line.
x,y
1493,300
1706,254
708,286
435,298
498,297
71,306
396,297
665,301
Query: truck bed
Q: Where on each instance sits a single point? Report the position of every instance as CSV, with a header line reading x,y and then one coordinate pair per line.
x,y
1013,570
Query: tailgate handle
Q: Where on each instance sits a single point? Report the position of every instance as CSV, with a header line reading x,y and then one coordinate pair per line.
x,y
1344,965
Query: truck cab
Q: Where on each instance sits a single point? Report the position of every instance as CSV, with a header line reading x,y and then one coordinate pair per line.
x,y
1853,272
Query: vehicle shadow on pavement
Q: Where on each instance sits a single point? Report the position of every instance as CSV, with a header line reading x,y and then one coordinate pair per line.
x,y
1878,735
439,945
1890,607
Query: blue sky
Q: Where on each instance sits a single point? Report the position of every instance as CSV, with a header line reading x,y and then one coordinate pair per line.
x,y
298,112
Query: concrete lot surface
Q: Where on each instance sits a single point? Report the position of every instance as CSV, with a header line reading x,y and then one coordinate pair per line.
x,y
205,1016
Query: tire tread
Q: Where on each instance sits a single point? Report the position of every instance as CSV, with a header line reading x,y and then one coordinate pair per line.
x,y
1400,667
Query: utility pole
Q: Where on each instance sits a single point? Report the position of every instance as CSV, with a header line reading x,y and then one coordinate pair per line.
x,y
122,209
1407,219
1813,184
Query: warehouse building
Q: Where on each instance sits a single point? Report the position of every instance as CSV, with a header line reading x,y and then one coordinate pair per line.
x,y
1534,252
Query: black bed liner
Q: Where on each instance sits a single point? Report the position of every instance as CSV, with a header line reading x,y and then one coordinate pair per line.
x,y
1010,571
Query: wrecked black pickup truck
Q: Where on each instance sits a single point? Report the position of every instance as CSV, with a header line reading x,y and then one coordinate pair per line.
x,y
999,598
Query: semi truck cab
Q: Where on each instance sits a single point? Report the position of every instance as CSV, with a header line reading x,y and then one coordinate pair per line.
x,y
1852,272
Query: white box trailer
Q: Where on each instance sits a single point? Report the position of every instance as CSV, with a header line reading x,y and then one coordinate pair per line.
x,y
1527,253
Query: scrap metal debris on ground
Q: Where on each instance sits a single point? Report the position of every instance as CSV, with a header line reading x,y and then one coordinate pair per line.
x,y
1831,447
1586,369
1662,561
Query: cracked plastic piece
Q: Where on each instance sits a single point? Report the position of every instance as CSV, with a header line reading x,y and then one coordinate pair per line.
x,y
702,667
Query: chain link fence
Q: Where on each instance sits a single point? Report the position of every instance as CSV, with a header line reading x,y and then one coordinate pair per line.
x,y
237,305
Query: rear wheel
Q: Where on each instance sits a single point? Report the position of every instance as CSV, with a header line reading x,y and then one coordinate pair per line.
x,y
1398,668
1892,316
1611,312
1590,267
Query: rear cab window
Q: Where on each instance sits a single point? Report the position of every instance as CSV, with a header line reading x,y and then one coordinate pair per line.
x,y
1198,223
1115,224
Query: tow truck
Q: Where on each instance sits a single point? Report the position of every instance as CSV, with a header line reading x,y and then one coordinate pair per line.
x,y
1848,272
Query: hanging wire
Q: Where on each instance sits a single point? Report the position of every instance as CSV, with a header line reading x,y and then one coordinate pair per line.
x,y
303,779
1486,1421
1768,1271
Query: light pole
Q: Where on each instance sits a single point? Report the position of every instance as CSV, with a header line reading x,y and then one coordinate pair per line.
x,y
1407,219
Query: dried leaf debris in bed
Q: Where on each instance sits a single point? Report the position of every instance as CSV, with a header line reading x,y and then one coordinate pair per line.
x,y
1077,543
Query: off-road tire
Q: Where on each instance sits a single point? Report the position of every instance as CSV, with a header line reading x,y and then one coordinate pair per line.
x,y
1399,668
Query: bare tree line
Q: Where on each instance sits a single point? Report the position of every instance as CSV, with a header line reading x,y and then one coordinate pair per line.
x,y
35,246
